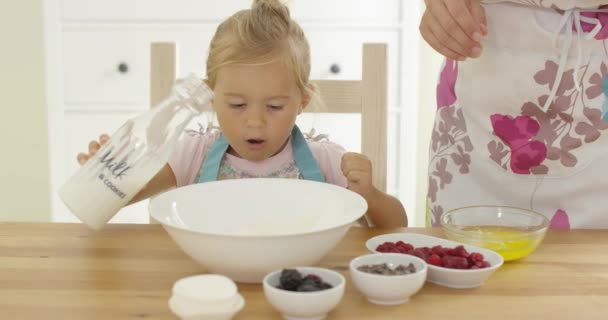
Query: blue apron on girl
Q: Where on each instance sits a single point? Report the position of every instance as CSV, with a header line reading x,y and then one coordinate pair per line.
x,y
305,161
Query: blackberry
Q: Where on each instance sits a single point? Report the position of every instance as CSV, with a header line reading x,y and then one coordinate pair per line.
x,y
313,283
308,286
313,277
290,279
325,285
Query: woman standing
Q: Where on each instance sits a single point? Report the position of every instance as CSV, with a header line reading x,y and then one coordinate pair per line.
x,y
522,115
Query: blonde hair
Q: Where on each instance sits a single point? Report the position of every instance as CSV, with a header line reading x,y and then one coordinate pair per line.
x,y
260,35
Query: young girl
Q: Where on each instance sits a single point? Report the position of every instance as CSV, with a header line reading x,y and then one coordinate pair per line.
x,y
524,123
258,68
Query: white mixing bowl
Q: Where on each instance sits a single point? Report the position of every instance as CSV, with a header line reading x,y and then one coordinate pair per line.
x,y
247,228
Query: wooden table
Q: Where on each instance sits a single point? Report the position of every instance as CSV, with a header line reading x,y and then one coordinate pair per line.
x,y
65,271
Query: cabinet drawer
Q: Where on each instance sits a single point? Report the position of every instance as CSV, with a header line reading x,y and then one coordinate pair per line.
x,y
107,67
150,10
93,58
346,11
334,11
343,49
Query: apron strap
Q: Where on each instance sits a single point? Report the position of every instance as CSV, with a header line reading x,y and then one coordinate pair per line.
x,y
211,166
305,160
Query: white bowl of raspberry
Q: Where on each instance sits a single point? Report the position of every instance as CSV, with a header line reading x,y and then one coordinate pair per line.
x,y
450,264
246,228
304,293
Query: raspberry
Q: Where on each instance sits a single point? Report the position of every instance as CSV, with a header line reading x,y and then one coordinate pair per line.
x,y
455,258
475,256
382,248
461,251
400,249
386,247
407,247
455,262
438,250
434,260
419,253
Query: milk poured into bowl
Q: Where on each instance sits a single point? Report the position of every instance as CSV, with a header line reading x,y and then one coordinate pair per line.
x,y
239,211
267,226
246,228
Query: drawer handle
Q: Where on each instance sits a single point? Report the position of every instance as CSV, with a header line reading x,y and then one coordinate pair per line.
x,y
334,68
123,67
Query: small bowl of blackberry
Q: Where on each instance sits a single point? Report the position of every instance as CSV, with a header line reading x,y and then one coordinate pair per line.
x,y
304,293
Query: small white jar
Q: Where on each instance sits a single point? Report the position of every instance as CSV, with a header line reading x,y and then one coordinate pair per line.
x,y
205,297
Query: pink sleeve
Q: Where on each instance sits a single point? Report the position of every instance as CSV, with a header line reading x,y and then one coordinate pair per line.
x,y
329,157
188,155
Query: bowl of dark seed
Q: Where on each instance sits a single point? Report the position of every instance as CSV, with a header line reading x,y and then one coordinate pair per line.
x,y
386,269
304,293
388,278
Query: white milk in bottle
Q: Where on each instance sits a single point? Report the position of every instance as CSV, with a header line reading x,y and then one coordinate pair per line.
x,y
134,154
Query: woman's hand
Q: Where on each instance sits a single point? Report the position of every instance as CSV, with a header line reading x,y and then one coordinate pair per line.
x,y
94,146
454,28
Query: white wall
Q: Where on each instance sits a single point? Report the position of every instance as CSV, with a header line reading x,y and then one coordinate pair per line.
x,y
24,181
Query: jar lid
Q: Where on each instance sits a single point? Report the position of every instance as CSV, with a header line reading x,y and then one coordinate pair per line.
x,y
206,288
186,310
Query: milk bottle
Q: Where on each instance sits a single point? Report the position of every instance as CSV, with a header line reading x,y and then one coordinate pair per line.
x,y
134,154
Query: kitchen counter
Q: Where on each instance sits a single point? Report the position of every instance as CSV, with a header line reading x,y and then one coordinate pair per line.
x,y
66,271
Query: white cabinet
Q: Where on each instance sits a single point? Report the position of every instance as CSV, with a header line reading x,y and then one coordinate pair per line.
x,y
107,67
343,48
176,11
98,68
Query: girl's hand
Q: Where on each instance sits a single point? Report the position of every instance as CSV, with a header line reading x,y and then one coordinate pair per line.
x,y
454,28
94,146
357,169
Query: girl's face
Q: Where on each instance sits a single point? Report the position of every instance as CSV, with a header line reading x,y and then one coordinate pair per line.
x,y
256,107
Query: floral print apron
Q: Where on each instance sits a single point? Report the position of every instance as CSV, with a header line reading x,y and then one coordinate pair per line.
x,y
525,125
